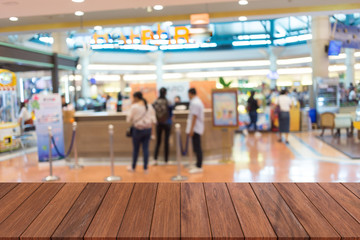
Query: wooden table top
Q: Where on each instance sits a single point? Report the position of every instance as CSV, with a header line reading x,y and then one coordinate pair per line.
x,y
179,210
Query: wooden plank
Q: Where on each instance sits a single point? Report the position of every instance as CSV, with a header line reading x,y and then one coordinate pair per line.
x,y
253,220
344,197
223,219
15,198
52,215
5,188
353,187
78,219
281,217
311,219
139,213
108,218
21,218
194,214
166,219
344,224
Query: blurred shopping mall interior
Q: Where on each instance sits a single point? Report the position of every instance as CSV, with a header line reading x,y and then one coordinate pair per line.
x,y
74,65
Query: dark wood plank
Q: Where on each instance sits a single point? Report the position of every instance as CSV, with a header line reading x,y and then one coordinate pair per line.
x,y
311,219
21,218
15,198
5,188
344,224
78,219
253,220
139,213
344,197
166,220
282,219
108,218
194,215
52,215
223,219
353,187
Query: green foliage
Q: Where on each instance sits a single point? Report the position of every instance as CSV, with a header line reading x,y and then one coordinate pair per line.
x,y
223,83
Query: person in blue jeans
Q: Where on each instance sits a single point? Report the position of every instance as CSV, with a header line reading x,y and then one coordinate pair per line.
x,y
143,119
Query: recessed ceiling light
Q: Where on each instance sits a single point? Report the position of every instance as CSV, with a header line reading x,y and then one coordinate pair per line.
x,y
243,2
168,23
78,1
158,7
98,28
242,18
79,13
13,19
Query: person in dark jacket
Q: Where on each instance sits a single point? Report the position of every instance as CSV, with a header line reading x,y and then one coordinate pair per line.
x,y
252,110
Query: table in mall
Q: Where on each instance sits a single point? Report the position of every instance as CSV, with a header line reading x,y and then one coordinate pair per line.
x,y
179,210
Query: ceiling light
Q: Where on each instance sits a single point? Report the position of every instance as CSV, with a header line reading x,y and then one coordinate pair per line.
x,y
79,13
78,1
243,2
98,28
168,23
158,7
242,18
13,19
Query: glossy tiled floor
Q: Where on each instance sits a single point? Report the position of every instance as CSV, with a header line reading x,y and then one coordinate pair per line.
x,y
306,159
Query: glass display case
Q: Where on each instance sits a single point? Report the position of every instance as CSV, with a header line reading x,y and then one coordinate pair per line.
x,y
327,95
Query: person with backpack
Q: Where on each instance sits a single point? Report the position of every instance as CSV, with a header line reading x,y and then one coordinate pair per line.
x,y
252,108
164,113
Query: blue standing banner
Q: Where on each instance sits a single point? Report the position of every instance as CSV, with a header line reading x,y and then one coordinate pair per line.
x,y
48,112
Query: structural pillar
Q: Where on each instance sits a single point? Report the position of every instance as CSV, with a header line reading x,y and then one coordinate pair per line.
x,y
321,29
350,66
84,62
273,66
60,45
159,68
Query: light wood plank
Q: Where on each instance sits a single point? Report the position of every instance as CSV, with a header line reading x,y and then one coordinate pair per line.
x,y
166,220
253,220
50,218
281,217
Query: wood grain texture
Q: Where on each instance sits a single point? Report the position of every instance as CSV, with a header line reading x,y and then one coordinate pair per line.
x,y
223,219
282,219
353,187
78,219
344,224
253,220
311,219
52,215
194,214
108,218
15,198
20,219
344,197
139,213
5,188
166,219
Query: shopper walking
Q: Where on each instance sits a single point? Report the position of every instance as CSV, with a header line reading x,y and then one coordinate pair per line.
x,y
195,127
142,117
164,113
252,108
284,103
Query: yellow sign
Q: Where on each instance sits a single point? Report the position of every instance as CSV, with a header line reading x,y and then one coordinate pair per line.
x,y
7,80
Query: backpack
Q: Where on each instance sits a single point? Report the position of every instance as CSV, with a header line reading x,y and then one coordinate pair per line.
x,y
161,108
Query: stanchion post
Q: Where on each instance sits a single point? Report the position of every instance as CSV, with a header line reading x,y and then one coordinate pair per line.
x,y
191,153
112,177
51,177
76,165
178,177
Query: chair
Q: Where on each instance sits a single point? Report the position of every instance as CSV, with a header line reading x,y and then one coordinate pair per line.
x,y
343,121
327,120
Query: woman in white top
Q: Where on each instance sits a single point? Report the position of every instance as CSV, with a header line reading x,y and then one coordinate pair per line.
x,y
284,102
142,117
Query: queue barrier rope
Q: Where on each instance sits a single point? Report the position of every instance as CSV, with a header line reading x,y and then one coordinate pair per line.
x,y
185,151
70,147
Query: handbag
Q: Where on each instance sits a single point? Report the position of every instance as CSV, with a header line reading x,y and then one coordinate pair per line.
x,y
130,130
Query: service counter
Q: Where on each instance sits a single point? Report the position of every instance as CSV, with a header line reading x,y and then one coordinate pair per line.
x,y
93,136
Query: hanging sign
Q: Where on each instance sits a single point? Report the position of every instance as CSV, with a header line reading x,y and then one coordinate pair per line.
x,y
7,80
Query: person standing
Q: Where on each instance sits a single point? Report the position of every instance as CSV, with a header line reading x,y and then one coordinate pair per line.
x,y
195,127
252,108
284,102
164,113
142,117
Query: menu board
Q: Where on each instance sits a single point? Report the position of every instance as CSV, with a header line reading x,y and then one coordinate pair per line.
x,y
225,108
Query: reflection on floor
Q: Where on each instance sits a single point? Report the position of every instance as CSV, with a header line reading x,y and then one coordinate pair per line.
x,y
344,144
305,159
